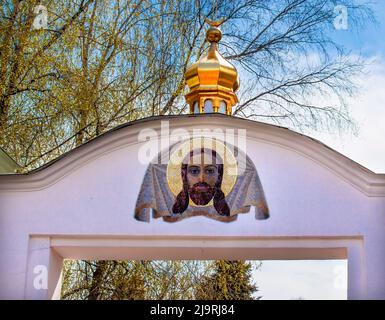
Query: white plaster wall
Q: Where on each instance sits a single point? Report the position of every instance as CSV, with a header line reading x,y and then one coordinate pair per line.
x,y
306,197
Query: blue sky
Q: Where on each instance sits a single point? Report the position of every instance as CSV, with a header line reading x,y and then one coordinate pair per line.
x,y
368,107
367,147
368,40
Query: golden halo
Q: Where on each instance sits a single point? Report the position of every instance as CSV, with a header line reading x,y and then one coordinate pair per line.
x,y
230,169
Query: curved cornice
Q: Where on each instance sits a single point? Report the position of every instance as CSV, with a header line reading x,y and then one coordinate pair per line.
x,y
364,180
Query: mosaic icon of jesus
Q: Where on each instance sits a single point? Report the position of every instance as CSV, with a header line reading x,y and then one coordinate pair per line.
x,y
202,174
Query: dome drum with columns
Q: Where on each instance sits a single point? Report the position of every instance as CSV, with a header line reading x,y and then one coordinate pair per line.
x,y
212,80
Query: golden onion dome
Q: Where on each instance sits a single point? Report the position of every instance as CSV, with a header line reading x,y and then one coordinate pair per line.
x,y
212,80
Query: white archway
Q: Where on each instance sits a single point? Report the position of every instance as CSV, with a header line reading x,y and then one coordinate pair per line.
x,y
322,205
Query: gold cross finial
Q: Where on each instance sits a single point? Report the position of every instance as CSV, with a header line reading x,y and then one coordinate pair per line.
x,y
213,23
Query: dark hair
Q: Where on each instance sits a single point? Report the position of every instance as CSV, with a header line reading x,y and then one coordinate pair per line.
x,y
182,199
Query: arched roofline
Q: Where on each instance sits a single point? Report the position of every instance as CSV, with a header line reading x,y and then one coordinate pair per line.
x,y
361,178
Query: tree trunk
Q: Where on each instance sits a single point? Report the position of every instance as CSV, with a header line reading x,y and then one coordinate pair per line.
x,y
4,108
97,280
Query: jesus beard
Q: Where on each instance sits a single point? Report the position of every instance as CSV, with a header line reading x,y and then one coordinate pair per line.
x,y
201,193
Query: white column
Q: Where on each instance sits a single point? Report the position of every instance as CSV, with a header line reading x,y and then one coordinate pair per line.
x,y
357,278
43,270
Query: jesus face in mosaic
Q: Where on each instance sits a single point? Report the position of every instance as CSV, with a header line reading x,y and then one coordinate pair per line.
x,y
202,173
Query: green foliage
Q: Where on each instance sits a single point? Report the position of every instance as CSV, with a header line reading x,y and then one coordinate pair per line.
x,y
231,280
132,280
103,280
